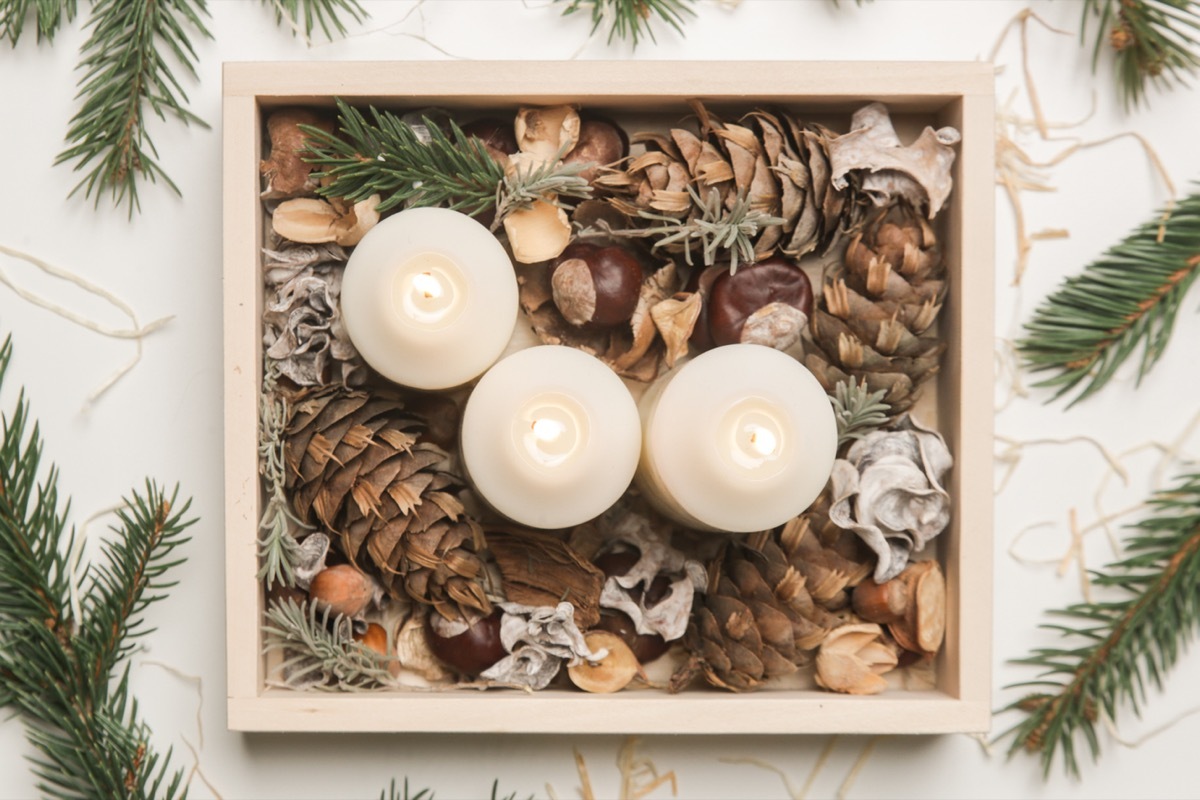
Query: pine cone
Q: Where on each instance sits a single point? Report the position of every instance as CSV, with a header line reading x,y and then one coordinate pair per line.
x,y
875,313
781,165
756,621
829,574
360,466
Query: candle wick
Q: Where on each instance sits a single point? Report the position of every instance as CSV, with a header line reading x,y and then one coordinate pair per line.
x,y
547,430
429,286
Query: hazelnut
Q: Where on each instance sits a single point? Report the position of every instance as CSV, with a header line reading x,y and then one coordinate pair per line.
x,y
497,136
758,304
343,589
469,648
596,285
374,637
613,672
601,143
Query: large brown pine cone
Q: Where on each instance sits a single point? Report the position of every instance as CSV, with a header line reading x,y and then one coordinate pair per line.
x,y
779,164
874,318
756,620
359,465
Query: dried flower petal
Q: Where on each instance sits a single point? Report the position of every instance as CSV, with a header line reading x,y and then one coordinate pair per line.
x,y
852,658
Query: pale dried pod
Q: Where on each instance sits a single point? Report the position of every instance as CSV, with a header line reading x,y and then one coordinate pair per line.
x,y
414,655
610,673
547,133
923,626
853,659
537,233
776,325
313,221
675,319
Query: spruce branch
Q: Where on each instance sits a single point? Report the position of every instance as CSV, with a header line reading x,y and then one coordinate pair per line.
x,y
1154,41
857,410
408,167
305,16
319,650
1120,644
717,231
47,16
58,672
630,20
127,73
1126,299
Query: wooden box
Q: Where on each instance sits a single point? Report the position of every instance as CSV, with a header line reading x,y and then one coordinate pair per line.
x,y
957,94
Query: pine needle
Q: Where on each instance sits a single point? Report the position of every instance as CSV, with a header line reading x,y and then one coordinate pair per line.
x,y
305,16
1154,42
857,410
319,650
631,20
1120,643
47,16
1126,299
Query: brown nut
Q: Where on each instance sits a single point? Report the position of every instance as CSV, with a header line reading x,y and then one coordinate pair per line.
x,y
881,602
343,589
596,285
613,672
601,143
646,647
374,638
924,624
497,136
470,651
758,304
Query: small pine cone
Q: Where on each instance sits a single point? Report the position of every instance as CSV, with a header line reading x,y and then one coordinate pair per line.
x,y
755,622
359,465
875,314
828,574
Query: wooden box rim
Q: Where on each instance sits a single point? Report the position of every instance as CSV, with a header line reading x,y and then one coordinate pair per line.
x,y
955,93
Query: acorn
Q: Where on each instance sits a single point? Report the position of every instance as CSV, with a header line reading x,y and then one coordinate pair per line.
x,y
601,142
373,637
613,672
595,285
343,589
470,651
646,647
757,304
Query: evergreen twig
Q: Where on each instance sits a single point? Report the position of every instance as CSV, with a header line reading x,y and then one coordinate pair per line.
x,y
1121,643
57,671
391,158
857,410
47,16
1126,299
127,73
319,650
1154,41
631,20
328,15
278,549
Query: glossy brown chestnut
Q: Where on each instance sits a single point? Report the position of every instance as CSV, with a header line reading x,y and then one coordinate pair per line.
x,y
473,650
595,285
732,299
601,142
497,135
645,646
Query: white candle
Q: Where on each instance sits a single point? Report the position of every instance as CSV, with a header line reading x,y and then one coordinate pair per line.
x,y
550,437
742,438
429,298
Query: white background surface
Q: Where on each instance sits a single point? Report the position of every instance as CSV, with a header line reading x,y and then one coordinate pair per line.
x,y
164,420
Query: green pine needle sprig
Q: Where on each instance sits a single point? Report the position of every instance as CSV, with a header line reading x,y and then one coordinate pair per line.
x,y
389,157
305,16
857,410
1154,42
1114,647
1127,299
631,20
47,17
65,627
319,651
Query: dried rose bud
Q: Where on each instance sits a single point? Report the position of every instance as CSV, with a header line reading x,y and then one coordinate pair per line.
x,y
470,649
766,302
853,658
601,143
596,285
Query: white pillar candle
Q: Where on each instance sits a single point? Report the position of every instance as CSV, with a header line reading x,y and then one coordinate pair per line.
x,y
550,437
742,438
429,298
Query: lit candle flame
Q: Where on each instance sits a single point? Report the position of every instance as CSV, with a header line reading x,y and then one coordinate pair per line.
x,y
429,287
547,430
762,440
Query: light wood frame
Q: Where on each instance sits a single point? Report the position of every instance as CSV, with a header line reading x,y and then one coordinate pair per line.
x,y
958,94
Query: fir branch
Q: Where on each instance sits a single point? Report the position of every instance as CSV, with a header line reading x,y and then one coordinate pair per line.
x,y
1154,41
319,650
126,73
278,549
324,14
1126,299
522,187
630,20
857,410
57,672
47,16
392,793
1122,643
716,231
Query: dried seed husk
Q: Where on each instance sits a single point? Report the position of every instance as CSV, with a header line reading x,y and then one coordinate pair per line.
x,y
539,569
613,672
